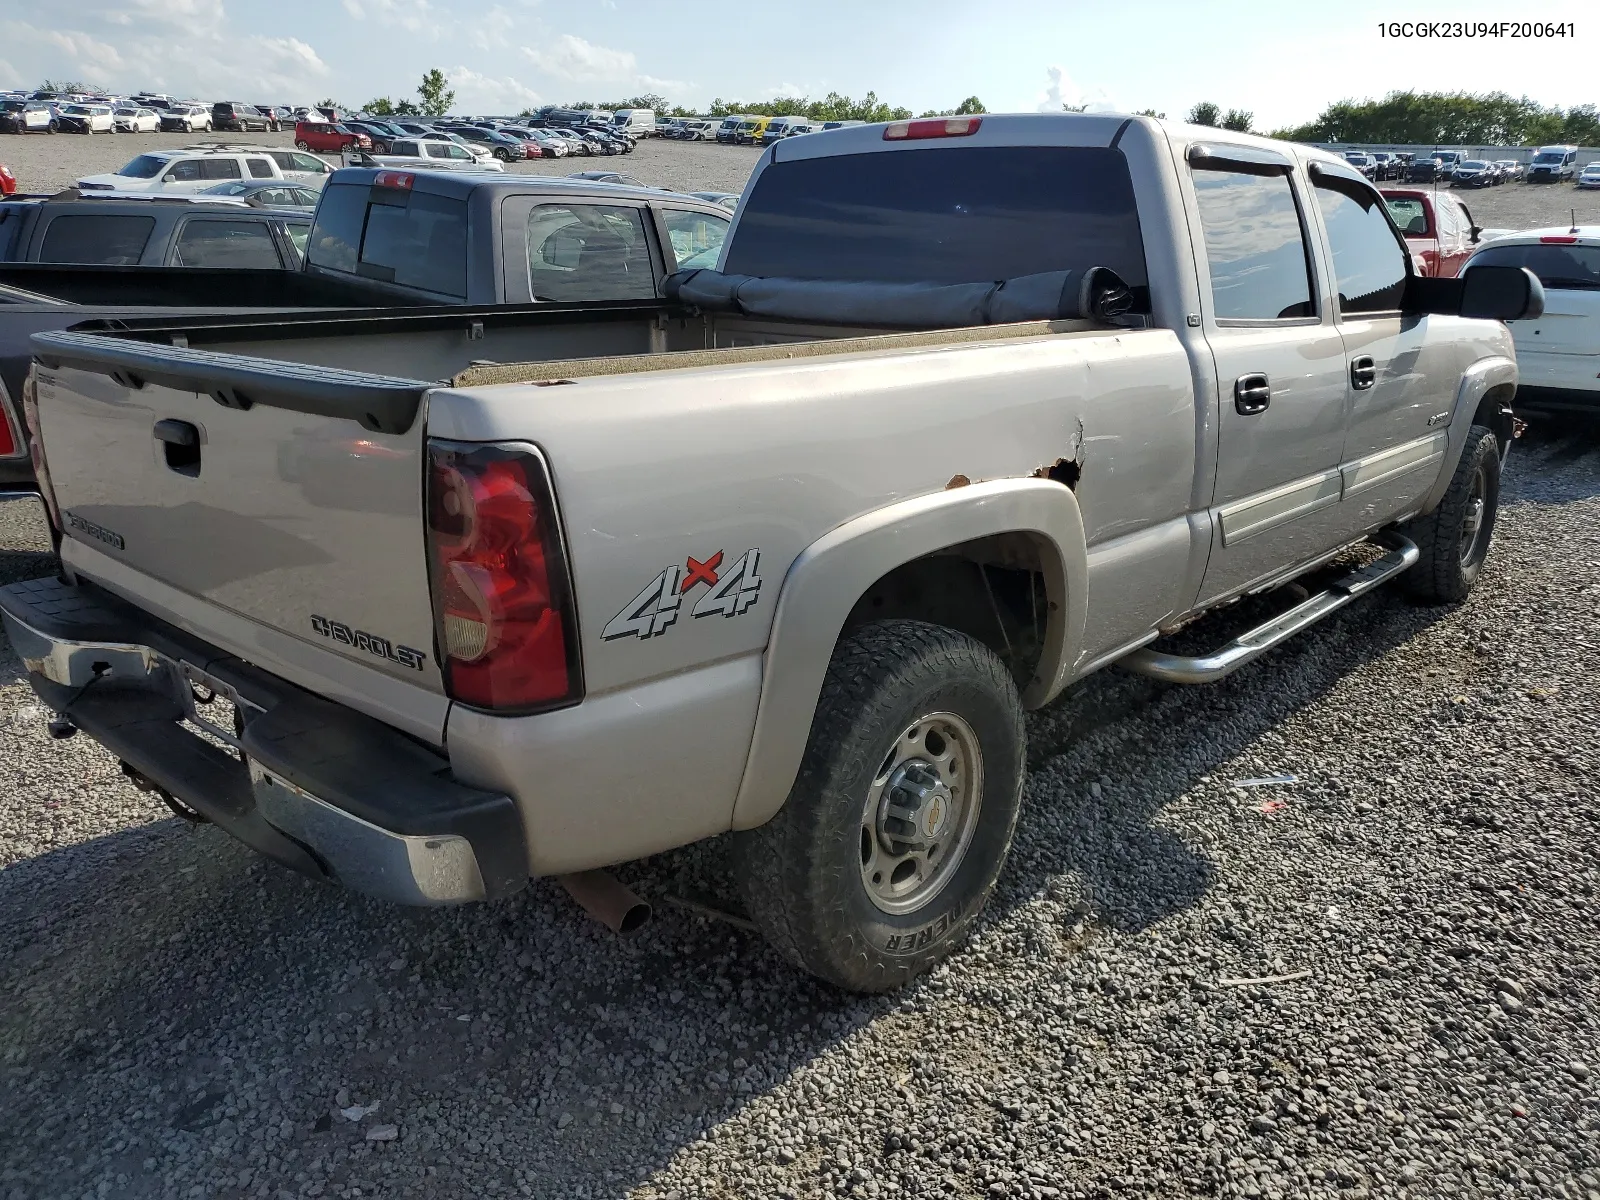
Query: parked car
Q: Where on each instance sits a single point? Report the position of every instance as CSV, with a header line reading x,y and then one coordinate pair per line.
x,y
1448,160
1511,171
240,118
277,115
502,146
1362,162
1476,173
135,118
434,154
845,649
575,143
779,127
1558,352
1387,166
728,131
8,181
27,116
330,137
145,230
598,142
270,192
751,130
1553,164
698,131
85,118
607,177
379,134
1438,229
185,170
186,118
550,146
1589,177
728,200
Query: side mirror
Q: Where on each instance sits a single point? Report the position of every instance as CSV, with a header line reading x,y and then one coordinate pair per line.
x,y
1482,293
1477,234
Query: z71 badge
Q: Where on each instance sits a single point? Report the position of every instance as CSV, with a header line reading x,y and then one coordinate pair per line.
x,y
655,610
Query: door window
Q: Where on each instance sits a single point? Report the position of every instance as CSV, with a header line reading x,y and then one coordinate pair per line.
x,y
1255,245
306,162
696,237
588,252
220,168
260,168
242,244
1409,214
1368,264
183,172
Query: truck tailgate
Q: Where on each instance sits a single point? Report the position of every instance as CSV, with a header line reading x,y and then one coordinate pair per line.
x,y
273,508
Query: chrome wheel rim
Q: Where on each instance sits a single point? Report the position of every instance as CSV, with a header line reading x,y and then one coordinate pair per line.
x,y
1472,521
921,812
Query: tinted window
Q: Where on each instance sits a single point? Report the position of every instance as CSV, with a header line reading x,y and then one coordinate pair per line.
x,y
260,168
1559,267
696,237
102,239
246,244
1254,245
146,166
952,215
305,162
421,245
336,235
1368,264
298,235
588,252
1410,215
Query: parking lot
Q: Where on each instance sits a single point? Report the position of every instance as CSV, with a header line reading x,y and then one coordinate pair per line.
x,y
1369,972
46,164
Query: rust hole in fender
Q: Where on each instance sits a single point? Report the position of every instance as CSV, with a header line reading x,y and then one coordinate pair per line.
x,y
1064,471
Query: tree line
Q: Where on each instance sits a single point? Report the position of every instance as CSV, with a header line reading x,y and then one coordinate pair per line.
x,y
1449,119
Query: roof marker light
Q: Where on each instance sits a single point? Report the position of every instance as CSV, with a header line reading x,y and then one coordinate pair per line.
x,y
933,127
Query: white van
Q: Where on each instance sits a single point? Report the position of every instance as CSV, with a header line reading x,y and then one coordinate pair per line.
x,y
639,122
1553,164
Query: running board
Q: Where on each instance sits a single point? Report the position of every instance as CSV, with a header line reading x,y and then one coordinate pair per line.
x,y
1175,668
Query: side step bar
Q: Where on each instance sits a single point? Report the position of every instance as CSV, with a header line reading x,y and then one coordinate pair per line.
x,y
1175,668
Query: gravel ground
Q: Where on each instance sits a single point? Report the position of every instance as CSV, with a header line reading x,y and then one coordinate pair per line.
x,y
46,164
1376,980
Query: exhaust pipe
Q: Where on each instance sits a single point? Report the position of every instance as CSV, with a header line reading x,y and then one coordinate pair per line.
x,y
604,898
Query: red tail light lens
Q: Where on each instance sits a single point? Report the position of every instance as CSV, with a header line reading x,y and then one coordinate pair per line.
x,y
935,127
10,440
502,598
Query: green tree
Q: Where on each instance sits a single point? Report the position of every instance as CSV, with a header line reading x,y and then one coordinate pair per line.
x,y
1238,120
436,99
333,104
405,108
68,85
970,107
1150,112
1204,113
382,106
1448,119
1074,108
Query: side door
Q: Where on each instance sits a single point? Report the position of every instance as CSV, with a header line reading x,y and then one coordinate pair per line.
x,y
1280,369
1401,370
183,176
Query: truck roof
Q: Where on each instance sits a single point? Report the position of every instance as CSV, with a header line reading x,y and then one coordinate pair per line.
x,y
461,184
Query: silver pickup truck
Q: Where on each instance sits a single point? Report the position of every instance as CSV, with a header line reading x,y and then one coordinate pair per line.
x,y
969,408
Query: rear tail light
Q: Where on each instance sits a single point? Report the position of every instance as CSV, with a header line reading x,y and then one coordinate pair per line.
x,y
41,469
502,598
10,438
400,180
933,127
1560,240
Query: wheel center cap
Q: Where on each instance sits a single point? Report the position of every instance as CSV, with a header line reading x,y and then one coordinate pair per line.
x,y
935,812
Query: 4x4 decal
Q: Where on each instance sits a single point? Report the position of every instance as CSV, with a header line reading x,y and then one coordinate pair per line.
x,y
655,610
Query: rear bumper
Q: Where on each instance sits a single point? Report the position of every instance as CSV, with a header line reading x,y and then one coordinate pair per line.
x,y
314,785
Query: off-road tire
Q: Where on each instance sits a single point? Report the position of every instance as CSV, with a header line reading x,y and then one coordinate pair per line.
x,y
801,872
1443,575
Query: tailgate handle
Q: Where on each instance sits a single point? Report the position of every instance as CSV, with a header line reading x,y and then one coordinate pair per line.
x,y
180,445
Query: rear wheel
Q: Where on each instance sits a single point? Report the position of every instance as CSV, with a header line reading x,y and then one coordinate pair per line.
x,y
1455,537
302,146
901,816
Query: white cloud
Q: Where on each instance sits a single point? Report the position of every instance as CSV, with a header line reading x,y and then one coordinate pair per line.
x,y
202,59
413,16
1060,91
476,93
570,57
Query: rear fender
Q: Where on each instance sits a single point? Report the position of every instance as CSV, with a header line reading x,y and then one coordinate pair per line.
x,y
830,575
1476,383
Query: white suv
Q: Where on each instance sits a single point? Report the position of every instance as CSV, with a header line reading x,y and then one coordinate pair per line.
x,y
199,167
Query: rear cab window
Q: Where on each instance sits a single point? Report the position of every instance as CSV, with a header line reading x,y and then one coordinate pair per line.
x,y
1410,214
696,237
1559,266
412,238
101,239
947,215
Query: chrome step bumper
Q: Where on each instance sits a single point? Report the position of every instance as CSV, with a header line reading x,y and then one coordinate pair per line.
x,y
311,784
1175,668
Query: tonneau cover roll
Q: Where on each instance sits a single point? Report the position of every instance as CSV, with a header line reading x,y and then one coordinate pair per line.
x,y
1095,293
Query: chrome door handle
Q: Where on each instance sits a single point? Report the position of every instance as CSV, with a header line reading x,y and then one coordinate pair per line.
x,y
1363,373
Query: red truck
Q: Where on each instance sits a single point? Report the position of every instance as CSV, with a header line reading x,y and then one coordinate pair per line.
x,y
1439,230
